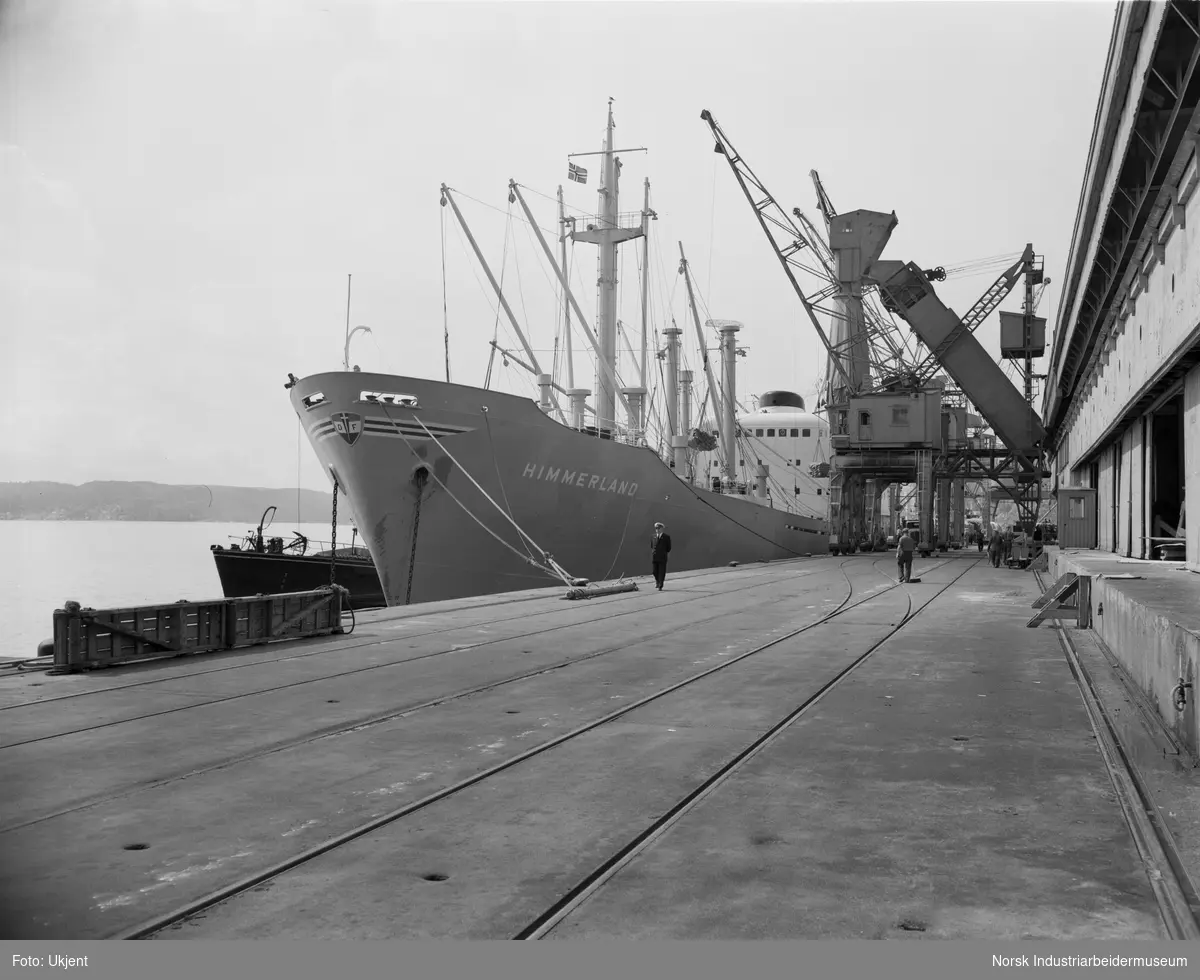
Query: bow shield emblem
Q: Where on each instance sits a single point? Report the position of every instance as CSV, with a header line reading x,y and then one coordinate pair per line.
x,y
348,426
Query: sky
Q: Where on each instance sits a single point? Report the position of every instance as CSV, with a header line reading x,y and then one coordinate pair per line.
x,y
186,184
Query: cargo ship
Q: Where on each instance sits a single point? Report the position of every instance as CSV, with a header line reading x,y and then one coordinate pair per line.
x,y
463,491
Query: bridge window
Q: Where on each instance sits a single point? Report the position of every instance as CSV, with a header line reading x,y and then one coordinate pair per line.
x,y
864,418
806,433
900,415
771,432
795,433
758,432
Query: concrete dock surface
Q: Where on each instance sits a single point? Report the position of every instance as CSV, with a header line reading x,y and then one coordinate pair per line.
x,y
472,769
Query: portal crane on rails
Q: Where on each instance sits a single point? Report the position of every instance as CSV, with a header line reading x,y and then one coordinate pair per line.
x,y
874,371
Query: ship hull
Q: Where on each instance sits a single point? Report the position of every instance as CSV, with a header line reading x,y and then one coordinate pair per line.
x,y
440,515
244,573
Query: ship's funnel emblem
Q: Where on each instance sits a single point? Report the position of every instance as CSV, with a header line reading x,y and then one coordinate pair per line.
x,y
348,426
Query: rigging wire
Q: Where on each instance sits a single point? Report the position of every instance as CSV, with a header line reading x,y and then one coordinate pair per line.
x,y
445,308
299,426
496,209
496,327
382,356
712,219
521,293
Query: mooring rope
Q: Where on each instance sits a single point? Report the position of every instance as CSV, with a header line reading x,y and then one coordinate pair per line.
x,y
551,568
546,556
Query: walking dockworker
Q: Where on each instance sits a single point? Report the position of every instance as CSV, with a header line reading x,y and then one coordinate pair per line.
x,y
995,547
660,545
904,556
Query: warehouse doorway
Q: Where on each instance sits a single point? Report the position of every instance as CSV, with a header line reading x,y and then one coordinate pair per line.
x,y
1167,473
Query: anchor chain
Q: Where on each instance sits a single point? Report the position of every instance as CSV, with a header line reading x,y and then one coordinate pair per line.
x,y
333,546
420,480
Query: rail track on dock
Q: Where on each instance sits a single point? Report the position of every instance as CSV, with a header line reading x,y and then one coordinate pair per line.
x,y
1173,888
362,722
322,646
586,885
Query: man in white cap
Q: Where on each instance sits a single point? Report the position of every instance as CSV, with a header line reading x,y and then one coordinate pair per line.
x,y
660,545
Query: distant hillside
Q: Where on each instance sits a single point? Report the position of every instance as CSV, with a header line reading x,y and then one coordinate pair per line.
x,y
113,500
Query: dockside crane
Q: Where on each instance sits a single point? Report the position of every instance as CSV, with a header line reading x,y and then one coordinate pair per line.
x,y
865,348
874,367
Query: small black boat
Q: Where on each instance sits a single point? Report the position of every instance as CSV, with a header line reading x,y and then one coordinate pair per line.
x,y
268,566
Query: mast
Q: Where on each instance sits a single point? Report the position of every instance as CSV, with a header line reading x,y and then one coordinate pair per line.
x,y
515,188
606,233
646,213
562,238
606,411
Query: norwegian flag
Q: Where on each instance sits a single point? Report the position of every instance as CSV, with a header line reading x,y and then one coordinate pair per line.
x,y
576,173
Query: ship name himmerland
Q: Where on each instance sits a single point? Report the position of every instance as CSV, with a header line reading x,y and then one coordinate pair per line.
x,y
552,474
